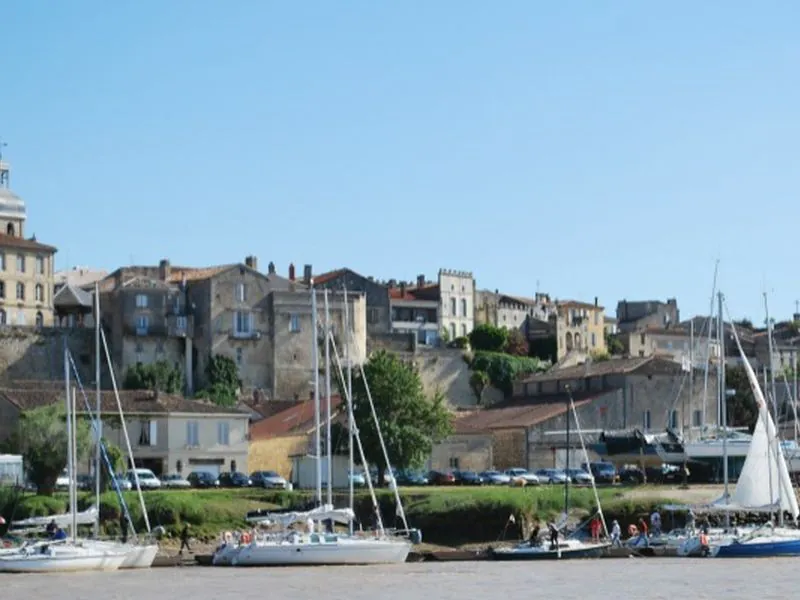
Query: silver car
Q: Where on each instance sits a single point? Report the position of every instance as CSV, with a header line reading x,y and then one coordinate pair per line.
x,y
524,475
552,475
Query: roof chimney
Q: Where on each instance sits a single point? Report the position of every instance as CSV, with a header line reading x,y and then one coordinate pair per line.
x,y
163,270
307,274
271,268
420,280
252,262
595,301
291,271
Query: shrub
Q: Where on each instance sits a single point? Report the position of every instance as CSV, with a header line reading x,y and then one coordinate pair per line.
x,y
504,369
488,338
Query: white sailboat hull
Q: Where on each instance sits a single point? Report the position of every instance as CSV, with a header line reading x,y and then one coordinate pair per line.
x,y
61,559
136,556
348,551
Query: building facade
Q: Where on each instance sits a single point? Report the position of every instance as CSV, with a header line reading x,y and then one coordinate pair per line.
x,y
580,328
633,316
379,318
456,302
26,265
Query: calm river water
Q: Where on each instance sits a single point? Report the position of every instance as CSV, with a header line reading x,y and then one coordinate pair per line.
x,y
650,579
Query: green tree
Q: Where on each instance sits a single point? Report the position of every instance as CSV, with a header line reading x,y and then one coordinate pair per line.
x,y
488,338
741,407
223,381
600,355
503,369
479,381
516,344
411,422
614,345
117,460
41,438
158,376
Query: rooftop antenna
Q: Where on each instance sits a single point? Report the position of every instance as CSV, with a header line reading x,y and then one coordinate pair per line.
x,y
2,145
4,175
537,287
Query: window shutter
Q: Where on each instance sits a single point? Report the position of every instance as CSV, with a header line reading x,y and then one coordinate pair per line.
x,y
250,322
153,433
234,322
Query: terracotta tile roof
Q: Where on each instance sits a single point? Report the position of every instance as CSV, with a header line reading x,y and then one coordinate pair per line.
x,y
268,408
133,401
578,304
615,366
514,415
426,292
299,418
12,241
196,273
326,277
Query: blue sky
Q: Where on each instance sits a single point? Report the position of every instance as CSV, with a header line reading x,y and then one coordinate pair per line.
x,y
610,149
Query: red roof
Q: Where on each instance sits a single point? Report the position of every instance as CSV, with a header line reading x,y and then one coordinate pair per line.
x,y
326,277
296,419
426,292
513,415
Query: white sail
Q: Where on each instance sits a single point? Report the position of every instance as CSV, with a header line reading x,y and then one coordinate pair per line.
x,y
321,513
762,464
86,517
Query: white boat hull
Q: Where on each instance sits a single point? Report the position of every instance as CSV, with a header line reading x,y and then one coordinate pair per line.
x,y
136,556
61,560
353,551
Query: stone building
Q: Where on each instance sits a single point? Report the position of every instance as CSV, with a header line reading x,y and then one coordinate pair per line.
x,y
513,312
186,315
528,431
633,316
580,328
379,320
26,266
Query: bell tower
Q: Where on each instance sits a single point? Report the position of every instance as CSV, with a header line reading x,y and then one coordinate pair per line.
x,y
12,208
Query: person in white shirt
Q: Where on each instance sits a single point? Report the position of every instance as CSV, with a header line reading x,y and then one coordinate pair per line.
x,y
615,534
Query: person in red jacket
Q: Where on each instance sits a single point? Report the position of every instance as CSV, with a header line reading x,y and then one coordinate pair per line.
x,y
595,529
643,532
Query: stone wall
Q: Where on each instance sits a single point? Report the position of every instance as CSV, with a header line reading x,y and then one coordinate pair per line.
x,y
509,449
446,371
30,354
467,452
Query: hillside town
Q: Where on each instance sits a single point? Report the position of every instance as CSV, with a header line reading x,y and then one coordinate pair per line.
x,y
626,362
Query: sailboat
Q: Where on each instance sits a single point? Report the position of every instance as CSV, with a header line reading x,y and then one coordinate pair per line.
x,y
315,547
69,554
569,547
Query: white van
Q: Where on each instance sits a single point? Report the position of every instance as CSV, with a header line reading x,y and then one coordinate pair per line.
x,y
147,479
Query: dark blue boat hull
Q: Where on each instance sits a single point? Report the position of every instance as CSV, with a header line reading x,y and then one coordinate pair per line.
x,y
594,552
766,549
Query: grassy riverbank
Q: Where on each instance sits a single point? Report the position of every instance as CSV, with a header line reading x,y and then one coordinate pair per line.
x,y
450,516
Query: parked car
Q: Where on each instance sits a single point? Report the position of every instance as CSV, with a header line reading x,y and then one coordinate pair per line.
x,y
552,476
122,481
495,478
603,472
203,479
357,478
62,481
441,478
388,478
631,474
147,479
523,475
579,477
235,479
175,481
468,478
410,478
268,479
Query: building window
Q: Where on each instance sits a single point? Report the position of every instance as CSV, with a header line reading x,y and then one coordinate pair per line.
x,y
20,263
463,330
373,315
20,291
139,348
20,317
596,317
463,307
452,331
241,292
39,292
192,433
673,419
40,265
39,319
141,301
181,323
294,323
646,420
2,317
242,323
149,433
453,307
223,433
239,354
142,324
2,289
453,462
10,229
2,261
697,418
594,340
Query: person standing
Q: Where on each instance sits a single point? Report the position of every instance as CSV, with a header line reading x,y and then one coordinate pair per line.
x,y
616,533
655,522
595,529
123,527
553,535
184,539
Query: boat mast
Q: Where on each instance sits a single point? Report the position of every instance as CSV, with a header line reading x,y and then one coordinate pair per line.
x,y
566,483
329,452
315,367
708,347
723,404
771,362
769,441
349,395
99,426
73,482
68,400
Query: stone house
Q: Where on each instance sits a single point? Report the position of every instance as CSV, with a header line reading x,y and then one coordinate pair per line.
x,y
26,265
430,310
379,320
633,316
261,321
513,312
676,344
529,430
167,433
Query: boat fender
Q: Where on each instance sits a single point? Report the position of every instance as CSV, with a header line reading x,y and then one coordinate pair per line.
x,y
415,535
